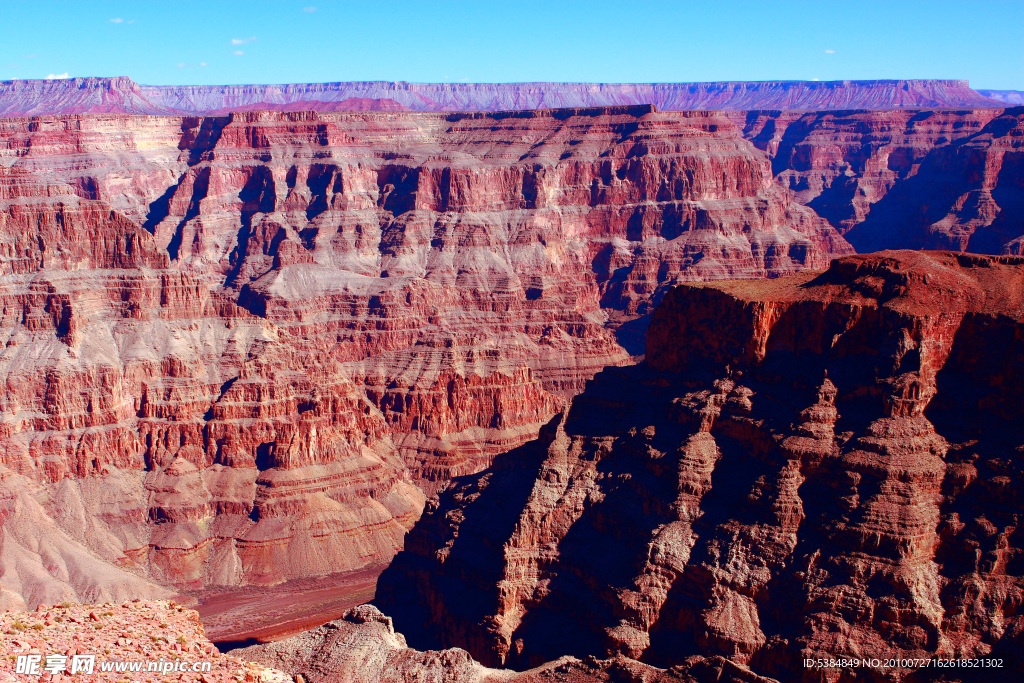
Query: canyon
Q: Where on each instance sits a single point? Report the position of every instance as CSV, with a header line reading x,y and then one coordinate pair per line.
x,y
239,349
903,179
243,350
125,96
820,465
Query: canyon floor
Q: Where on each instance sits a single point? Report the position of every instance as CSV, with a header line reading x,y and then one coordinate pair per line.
x,y
248,615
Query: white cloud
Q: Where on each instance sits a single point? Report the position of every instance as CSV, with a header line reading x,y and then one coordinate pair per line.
x,y
51,77
117,20
238,52
202,63
814,79
181,65
31,56
309,9
242,41
830,52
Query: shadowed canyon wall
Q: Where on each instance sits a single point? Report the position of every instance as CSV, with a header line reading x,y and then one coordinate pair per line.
x,y
907,179
815,466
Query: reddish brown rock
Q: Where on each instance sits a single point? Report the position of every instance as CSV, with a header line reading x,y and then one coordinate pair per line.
x,y
816,466
156,434
132,634
967,195
283,313
902,179
233,344
842,163
524,227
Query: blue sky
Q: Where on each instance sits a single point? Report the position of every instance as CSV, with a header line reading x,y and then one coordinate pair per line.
x,y
286,41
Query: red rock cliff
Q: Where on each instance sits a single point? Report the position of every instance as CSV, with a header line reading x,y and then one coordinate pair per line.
x,y
233,343
814,466
903,179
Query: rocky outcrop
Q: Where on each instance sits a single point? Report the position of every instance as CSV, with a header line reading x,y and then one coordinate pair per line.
x,y
122,95
122,639
902,179
817,466
363,647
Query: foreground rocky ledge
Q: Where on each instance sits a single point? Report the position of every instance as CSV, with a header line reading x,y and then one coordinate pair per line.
x,y
360,647
158,631
363,647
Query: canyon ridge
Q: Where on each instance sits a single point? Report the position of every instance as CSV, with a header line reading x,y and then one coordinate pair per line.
x,y
122,95
821,466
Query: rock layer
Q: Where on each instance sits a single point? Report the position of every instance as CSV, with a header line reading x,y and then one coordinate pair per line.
x,y
152,428
122,95
233,344
903,179
817,466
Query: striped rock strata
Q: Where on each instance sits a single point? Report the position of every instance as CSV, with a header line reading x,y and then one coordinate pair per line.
x,y
233,345
815,466
903,179
122,95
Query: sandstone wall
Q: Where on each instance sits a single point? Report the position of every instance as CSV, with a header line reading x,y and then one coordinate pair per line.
x,y
815,466
903,179
235,345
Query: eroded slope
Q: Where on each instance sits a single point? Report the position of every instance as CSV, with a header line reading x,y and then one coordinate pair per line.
x,y
815,466
903,179
233,344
